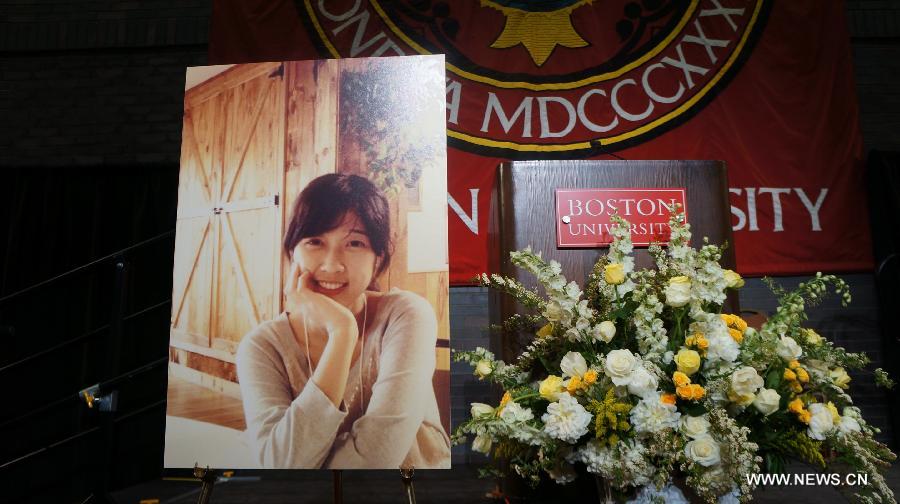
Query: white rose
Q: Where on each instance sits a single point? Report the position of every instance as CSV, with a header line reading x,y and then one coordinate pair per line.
x,y
694,426
678,292
604,331
619,366
788,349
482,444
766,401
573,364
732,279
481,409
553,312
643,383
746,381
483,368
582,324
821,422
703,450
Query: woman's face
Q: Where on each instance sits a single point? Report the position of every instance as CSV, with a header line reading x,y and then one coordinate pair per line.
x,y
341,262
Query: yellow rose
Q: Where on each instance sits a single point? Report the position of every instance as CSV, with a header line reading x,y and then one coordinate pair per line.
x,y
740,399
794,364
835,417
551,387
840,377
733,280
573,385
667,398
590,377
812,337
680,379
804,416
614,273
796,387
691,392
796,406
505,399
736,335
547,330
688,361
802,375
790,375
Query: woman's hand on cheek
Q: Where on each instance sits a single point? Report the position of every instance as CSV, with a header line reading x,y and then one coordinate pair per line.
x,y
319,311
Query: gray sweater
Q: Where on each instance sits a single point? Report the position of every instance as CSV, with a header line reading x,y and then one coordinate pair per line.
x,y
392,422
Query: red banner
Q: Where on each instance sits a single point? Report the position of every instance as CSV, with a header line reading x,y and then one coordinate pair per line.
x,y
767,87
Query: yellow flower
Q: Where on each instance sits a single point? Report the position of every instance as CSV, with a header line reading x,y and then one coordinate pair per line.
x,y
790,375
614,273
796,387
574,384
840,377
697,341
804,416
667,398
551,387
812,337
688,361
796,406
794,364
547,330
506,398
740,399
733,280
802,375
691,392
736,335
835,417
680,379
590,377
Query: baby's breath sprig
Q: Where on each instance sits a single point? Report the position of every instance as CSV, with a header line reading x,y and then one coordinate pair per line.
x,y
514,288
883,380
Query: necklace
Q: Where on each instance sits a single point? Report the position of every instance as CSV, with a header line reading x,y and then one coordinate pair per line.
x,y
362,348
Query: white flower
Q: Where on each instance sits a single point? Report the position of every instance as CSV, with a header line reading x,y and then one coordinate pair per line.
x,y
694,426
604,331
483,368
788,349
482,444
481,409
573,364
652,415
766,401
582,324
821,422
746,381
514,413
643,383
553,312
565,419
619,366
703,450
848,424
678,292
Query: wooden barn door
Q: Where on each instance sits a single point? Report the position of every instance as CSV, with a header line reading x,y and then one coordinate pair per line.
x,y
229,218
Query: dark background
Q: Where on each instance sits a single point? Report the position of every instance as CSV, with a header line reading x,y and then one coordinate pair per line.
x,y
90,130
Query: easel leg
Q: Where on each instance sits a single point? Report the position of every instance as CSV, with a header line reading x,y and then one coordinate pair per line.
x,y
208,477
337,480
406,474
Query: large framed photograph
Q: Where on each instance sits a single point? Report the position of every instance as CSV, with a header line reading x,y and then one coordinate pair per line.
x,y
310,322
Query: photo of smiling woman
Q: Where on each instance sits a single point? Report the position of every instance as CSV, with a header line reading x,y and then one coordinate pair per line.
x,y
342,378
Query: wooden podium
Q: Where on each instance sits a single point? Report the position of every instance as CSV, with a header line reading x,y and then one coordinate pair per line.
x,y
525,213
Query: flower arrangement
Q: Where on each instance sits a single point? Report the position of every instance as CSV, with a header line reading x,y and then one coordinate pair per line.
x,y
641,378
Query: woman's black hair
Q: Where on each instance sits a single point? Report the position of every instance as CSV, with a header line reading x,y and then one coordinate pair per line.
x,y
323,204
